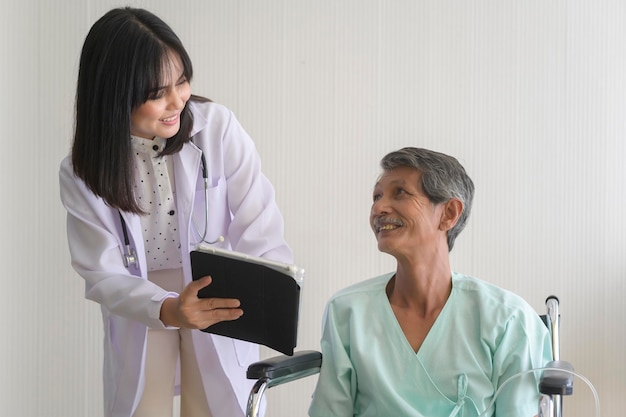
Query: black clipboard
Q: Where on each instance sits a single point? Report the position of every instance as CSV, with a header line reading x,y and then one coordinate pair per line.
x,y
269,293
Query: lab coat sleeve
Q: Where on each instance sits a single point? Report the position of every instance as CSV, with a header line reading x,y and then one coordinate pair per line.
x,y
256,224
96,252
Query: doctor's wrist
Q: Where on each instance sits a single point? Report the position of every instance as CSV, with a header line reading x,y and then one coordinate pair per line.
x,y
169,310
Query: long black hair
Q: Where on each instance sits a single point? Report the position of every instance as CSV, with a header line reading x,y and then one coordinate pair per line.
x,y
121,63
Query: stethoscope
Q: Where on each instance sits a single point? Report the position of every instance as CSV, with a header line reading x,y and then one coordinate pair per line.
x,y
130,255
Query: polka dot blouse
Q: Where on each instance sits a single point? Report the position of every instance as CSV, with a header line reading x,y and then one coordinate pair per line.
x,y
155,191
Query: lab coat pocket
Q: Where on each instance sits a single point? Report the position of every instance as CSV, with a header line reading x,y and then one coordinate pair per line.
x,y
246,352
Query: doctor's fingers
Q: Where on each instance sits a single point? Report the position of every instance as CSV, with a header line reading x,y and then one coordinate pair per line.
x,y
189,296
223,314
194,286
205,318
190,301
208,304
202,313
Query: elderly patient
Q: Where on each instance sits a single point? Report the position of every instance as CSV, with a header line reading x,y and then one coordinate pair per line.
x,y
422,340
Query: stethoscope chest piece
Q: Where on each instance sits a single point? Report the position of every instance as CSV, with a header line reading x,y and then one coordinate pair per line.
x,y
130,255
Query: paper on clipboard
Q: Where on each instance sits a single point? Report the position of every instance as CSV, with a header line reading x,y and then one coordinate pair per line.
x,y
269,293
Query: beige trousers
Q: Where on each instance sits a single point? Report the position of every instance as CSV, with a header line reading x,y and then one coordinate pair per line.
x,y
163,351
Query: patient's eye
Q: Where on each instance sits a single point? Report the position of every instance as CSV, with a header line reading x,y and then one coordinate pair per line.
x,y
400,191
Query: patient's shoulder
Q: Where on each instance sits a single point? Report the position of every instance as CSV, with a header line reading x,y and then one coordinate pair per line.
x,y
491,300
364,289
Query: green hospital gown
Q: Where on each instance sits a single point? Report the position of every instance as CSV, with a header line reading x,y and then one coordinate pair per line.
x,y
483,336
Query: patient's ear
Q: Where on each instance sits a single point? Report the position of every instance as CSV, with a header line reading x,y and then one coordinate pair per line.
x,y
452,210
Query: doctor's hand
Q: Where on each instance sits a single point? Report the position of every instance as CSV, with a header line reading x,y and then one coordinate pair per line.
x,y
190,312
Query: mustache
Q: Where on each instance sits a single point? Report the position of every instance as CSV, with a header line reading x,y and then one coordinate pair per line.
x,y
378,222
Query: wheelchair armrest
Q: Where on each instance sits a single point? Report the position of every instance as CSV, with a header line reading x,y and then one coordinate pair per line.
x,y
306,362
555,381
279,370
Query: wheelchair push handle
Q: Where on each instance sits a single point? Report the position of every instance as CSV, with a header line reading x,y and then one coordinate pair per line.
x,y
552,305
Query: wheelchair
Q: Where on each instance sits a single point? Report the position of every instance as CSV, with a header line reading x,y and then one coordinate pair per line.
x,y
556,381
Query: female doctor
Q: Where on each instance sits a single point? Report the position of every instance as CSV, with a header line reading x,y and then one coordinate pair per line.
x,y
134,190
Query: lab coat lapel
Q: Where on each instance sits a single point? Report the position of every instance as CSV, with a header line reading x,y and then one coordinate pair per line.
x,y
186,171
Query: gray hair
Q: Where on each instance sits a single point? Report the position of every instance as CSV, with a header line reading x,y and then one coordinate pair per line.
x,y
443,178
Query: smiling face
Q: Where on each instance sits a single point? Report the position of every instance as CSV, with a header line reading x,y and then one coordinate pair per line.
x,y
402,217
160,114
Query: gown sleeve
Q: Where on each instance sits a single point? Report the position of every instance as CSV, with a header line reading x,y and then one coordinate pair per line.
x,y
525,345
336,385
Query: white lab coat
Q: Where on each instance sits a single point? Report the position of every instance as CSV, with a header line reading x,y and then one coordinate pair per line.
x,y
242,209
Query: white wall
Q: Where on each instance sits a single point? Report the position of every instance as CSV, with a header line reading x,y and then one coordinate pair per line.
x,y
529,95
